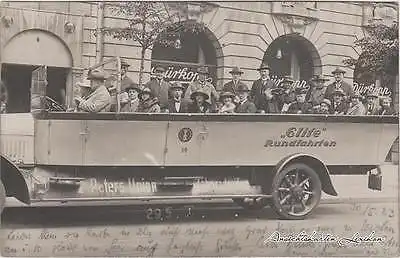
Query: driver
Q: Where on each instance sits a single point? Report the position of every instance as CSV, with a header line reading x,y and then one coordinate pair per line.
x,y
99,100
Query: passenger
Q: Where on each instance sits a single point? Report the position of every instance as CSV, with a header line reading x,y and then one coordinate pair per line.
x,y
386,108
339,84
177,104
317,92
300,106
203,84
287,94
130,100
372,104
227,100
356,108
339,106
324,107
244,105
218,106
233,85
261,92
148,103
159,87
99,100
200,104
3,98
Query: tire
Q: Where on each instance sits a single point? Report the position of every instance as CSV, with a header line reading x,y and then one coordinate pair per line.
x,y
252,203
2,196
296,191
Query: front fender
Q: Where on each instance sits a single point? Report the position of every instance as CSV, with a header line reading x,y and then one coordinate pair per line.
x,y
314,163
13,181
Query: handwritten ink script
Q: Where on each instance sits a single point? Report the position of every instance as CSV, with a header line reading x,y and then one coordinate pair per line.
x,y
355,230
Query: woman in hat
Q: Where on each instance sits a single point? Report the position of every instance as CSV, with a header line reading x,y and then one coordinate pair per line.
x,y
204,84
227,100
386,107
148,103
244,105
177,104
356,108
339,106
200,104
130,100
324,106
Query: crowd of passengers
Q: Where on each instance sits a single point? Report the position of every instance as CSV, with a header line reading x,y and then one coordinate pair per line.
x,y
265,96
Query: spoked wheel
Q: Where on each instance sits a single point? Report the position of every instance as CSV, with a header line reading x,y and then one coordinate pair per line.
x,y
296,191
256,203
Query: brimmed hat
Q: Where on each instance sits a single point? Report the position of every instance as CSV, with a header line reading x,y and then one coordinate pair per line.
x,y
159,69
124,63
300,90
327,101
227,94
236,70
177,85
372,94
242,88
338,92
264,66
319,78
357,94
199,92
132,86
146,90
96,75
202,70
338,70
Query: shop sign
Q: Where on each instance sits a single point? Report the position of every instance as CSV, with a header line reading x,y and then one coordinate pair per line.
x,y
181,73
296,84
364,89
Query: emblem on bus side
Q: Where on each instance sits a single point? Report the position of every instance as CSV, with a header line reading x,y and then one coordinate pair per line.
x,y
185,134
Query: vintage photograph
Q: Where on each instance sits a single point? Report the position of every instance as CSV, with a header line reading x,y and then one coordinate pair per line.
x,y
199,128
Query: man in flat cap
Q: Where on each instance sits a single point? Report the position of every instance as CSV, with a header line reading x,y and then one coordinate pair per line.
x,y
203,84
261,92
99,100
233,85
300,106
339,84
159,87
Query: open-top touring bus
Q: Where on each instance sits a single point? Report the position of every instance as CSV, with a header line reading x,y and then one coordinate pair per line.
x,y
284,161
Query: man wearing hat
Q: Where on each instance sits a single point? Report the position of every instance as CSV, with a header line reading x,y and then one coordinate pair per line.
x,y
300,106
203,84
148,102
99,100
339,106
356,106
199,104
130,98
318,89
372,104
261,92
339,84
324,107
244,105
285,93
232,85
159,87
177,104
386,108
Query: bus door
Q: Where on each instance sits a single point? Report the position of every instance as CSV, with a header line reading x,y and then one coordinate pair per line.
x,y
184,139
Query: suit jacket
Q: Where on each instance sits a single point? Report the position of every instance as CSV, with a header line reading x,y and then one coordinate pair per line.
x,y
246,107
357,110
387,112
183,108
193,108
316,95
160,91
232,87
347,88
260,100
374,110
206,87
130,106
97,101
339,109
303,108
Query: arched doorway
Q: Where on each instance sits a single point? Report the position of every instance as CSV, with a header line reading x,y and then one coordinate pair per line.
x,y
189,52
23,53
293,55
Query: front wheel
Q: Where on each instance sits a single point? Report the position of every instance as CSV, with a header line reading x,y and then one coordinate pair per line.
x,y
296,191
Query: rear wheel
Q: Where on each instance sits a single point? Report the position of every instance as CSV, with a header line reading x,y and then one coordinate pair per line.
x,y
257,203
296,191
2,196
